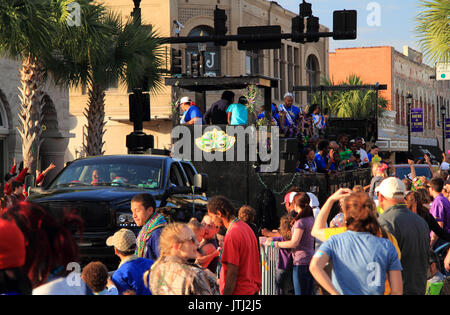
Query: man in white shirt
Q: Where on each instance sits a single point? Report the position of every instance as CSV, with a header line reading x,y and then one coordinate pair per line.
x,y
445,166
362,153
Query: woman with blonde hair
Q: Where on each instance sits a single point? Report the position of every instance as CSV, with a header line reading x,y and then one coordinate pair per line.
x,y
175,272
379,173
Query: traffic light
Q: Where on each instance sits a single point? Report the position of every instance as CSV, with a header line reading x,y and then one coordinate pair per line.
x,y
220,28
312,27
305,9
298,28
345,24
139,106
195,65
176,62
259,45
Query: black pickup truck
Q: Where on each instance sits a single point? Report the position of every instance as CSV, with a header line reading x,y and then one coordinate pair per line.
x,y
100,189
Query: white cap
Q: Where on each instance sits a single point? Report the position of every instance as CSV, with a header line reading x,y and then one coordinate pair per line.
x,y
314,201
185,99
391,188
289,197
288,94
445,166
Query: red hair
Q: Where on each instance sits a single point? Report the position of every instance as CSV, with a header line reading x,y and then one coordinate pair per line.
x,y
360,214
50,243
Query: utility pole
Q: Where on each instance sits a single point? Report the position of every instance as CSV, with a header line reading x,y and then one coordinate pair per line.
x,y
409,102
138,142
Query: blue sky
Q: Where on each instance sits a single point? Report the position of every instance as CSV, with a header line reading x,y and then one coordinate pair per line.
x,y
396,21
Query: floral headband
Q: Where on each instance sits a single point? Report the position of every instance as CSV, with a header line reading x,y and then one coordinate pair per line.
x,y
418,183
382,168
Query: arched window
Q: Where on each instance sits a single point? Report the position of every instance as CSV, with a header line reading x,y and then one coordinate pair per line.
x,y
3,118
212,58
312,73
399,109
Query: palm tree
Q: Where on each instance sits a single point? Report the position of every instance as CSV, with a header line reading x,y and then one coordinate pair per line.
x,y
359,104
130,55
29,31
433,29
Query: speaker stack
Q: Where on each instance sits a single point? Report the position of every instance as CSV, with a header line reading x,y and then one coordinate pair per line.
x,y
289,149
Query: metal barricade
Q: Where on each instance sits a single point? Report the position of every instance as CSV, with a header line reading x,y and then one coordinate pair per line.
x,y
269,264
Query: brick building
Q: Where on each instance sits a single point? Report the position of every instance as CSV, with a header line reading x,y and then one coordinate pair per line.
x,y
403,72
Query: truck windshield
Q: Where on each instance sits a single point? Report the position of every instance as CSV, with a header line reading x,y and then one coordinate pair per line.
x,y
114,172
405,172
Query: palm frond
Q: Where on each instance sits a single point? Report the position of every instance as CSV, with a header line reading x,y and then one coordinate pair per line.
x,y
433,29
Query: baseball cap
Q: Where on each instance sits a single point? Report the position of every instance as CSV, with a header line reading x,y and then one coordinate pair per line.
x,y
391,187
123,240
314,203
185,99
445,166
12,246
289,197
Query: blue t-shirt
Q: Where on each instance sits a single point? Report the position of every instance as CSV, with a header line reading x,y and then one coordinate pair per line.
x,y
239,114
360,262
294,112
130,274
321,163
192,112
152,251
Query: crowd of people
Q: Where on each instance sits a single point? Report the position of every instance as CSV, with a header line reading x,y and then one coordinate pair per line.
x,y
316,153
14,189
381,239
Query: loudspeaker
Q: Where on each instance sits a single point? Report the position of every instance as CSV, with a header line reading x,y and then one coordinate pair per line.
x,y
289,149
288,166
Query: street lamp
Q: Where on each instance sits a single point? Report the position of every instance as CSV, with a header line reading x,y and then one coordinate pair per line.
x,y
409,102
443,112
201,50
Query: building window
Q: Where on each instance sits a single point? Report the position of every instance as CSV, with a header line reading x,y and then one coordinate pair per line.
x,y
290,69
297,73
113,85
276,72
282,71
3,118
212,56
399,110
312,74
254,61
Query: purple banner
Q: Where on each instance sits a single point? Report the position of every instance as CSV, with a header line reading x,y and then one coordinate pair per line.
x,y
416,120
447,128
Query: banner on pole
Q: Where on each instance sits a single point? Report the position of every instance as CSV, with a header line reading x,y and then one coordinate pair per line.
x,y
447,128
416,120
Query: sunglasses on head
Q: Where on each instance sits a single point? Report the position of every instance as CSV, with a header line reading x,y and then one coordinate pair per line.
x,y
191,239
